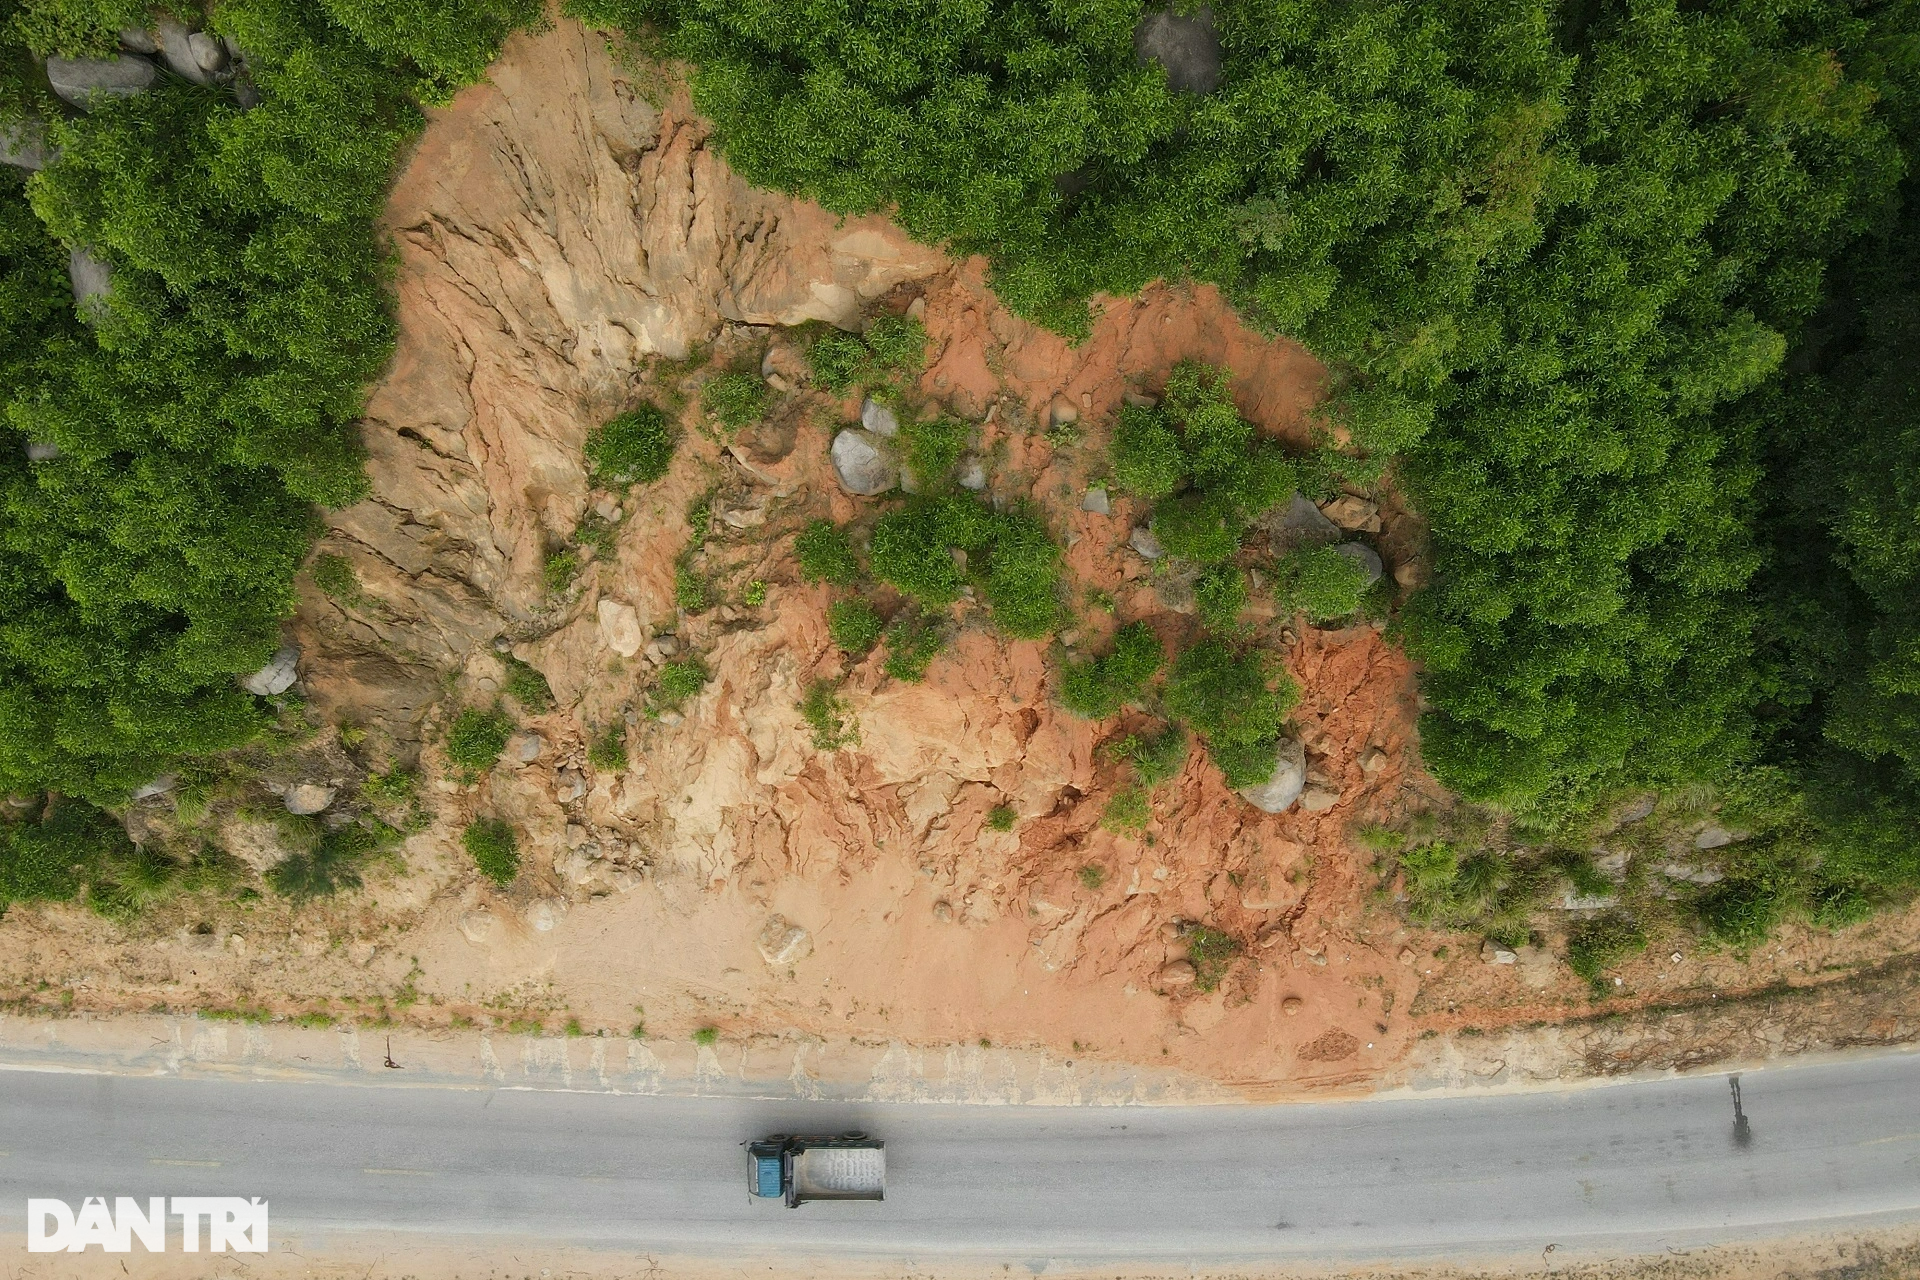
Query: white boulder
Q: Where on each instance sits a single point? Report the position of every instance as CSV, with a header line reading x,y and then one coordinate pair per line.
x,y
277,676
1284,785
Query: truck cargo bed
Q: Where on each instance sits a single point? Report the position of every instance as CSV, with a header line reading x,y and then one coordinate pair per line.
x,y
839,1172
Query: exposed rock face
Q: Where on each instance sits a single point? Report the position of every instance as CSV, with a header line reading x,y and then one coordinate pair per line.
x,y
160,786
1177,973
1715,836
178,52
1353,513
879,419
80,80
1319,799
620,627
971,474
554,230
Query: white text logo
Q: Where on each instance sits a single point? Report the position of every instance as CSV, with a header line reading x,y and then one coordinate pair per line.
x,y
232,1223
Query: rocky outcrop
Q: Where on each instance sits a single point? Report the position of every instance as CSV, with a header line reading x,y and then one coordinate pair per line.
x,y
1299,524
557,230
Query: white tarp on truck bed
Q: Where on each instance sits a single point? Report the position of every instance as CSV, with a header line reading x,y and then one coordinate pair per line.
x,y
840,1173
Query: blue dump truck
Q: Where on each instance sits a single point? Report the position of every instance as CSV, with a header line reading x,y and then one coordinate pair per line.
x,y
851,1166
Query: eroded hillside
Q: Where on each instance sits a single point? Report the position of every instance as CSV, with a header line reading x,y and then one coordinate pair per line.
x,y
569,247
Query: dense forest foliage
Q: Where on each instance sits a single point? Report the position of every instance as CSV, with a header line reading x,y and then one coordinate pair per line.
x,y
187,426
1616,288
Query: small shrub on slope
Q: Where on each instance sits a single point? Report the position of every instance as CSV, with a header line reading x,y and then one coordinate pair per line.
x,y
825,554
494,849
1224,696
1100,687
634,448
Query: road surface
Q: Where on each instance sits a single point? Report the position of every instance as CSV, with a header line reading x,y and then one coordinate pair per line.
x,y
1826,1146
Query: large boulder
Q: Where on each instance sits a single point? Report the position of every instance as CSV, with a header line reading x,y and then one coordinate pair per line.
x,y
1299,524
864,463
92,281
1353,513
878,418
189,54
308,798
1365,556
176,50
1185,44
24,145
277,676
81,80
1288,780
620,628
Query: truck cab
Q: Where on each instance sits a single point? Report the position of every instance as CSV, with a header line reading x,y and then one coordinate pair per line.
x,y
851,1166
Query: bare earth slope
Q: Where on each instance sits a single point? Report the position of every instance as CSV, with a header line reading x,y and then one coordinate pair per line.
x,y
555,231
570,245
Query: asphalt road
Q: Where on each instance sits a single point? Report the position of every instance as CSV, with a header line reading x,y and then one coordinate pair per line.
x,y
1826,1146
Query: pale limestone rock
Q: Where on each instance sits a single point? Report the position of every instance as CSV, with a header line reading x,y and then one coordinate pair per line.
x,y
879,418
1319,799
1284,785
1354,514
479,927
782,943
543,914
864,463
308,798
620,628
